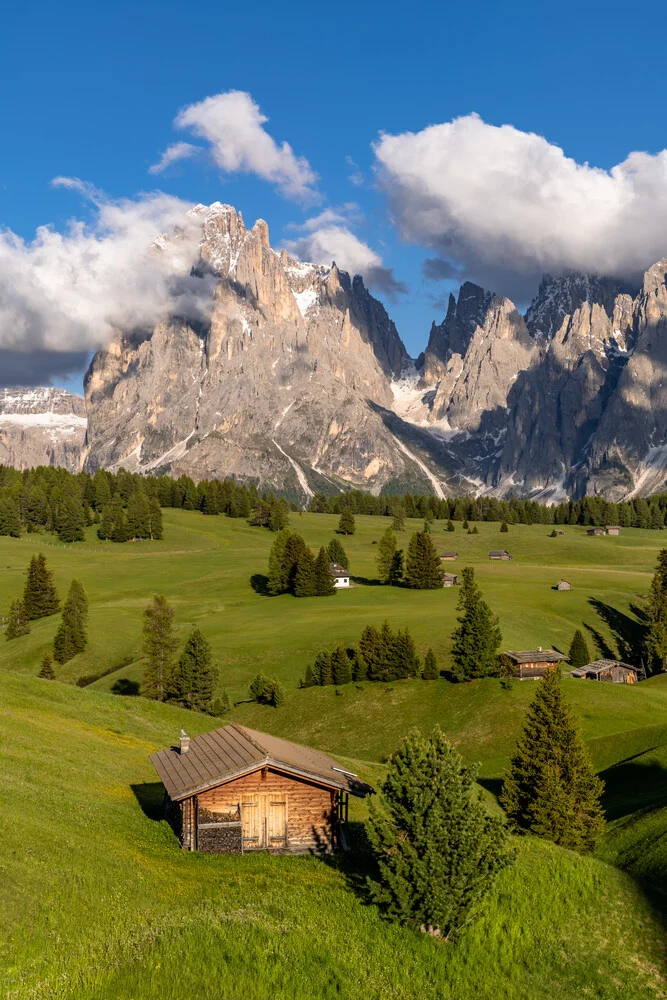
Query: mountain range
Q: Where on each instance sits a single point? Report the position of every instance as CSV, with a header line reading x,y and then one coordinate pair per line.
x,y
299,380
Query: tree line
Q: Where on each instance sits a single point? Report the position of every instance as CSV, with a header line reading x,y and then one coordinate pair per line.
x,y
379,655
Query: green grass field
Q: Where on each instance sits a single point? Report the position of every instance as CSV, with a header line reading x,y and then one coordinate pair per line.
x,y
98,900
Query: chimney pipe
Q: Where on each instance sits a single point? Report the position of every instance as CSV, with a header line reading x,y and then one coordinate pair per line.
x,y
184,742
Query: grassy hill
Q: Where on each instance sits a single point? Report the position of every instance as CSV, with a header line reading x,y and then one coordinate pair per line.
x,y
98,900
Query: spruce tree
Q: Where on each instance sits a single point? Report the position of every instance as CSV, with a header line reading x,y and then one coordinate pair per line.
x,y
346,524
341,667
398,520
477,638
155,529
39,597
138,516
322,668
323,580
70,521
550,788
359,667
337,553
159,646
279,571
294,549
46,669
395,577
450,525
304,579
106,525
578,655
385,554
370,647
309,680
438,851
193,679
119,531
503,527
423,570
430,671
17,623
656,635
71,637
10,516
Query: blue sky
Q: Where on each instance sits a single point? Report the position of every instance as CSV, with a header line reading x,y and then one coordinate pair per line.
x,y
92,91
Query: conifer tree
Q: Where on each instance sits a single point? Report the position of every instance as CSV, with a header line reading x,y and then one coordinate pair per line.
x,y
309,680
71,637
266,691
437,849
370,647
656,635
465,524
385,554
398,519
278,514
550,788
337,553
340,666
477,638
46,669
359,668
346,524
430,671
119,530
503,527
423,570
193,679
323,580
304,579
138,516
279,571
450,525
322,669
70,521
17,623
578,655
10,516
39,597
155,528
395,577
106,525
160,644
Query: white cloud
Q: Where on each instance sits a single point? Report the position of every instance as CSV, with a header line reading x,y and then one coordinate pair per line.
x,y
178,151
509,205
326,237
69,292
233,125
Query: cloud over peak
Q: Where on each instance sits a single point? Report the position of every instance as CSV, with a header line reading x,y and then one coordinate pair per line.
x,y
506,205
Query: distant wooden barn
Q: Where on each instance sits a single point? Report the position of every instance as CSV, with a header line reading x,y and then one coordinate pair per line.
x,y
611,671
235,789
496,554
450,580
613,529
449,556
558,531
596,531
563,585
531,664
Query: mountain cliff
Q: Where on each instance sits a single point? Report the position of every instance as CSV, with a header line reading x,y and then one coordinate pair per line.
x,y
41,427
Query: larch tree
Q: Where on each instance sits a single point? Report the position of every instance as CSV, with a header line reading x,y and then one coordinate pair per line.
x,y
159,645
40,598
578,655
438,850
423,569
385,554
550,788
346,523
477,638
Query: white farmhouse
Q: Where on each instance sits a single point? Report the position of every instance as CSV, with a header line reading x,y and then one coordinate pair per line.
x,y
341,576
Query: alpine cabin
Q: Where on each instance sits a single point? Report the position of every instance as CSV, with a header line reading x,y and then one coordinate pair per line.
x,y
611,671
496,554
341,576
450,580
531,664
563,585
235,789
596,531
449,556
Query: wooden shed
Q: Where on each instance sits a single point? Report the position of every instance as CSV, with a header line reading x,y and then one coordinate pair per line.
x,y
496,554
531,664
450,580
235,789
563,585
611,671
449,556
596,531
613,529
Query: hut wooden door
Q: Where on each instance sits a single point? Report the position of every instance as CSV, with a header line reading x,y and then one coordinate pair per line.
x,y
251,824
264,822
276,821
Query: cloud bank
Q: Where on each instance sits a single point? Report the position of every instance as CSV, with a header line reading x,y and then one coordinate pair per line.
x,y
66,294
233,125
505,205
328,237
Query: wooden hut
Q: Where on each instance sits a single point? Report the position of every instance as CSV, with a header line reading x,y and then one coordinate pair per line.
x,y
496,554
449,556
611,671
563,585
596,531
531,664
450,580
235,789
613,529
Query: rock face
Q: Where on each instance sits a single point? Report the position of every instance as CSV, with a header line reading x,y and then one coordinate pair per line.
x,y
298,380
285,385
41,427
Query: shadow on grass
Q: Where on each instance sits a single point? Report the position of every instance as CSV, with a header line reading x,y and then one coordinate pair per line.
x,y
493,785
125,687
603,646
150,796
260,584
367,581
628,633
631,787
355,865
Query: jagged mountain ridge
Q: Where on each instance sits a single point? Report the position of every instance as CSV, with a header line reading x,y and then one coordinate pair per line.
x,y
299,380
43,426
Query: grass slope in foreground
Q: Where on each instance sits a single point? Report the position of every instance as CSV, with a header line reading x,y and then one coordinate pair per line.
x,y
99,902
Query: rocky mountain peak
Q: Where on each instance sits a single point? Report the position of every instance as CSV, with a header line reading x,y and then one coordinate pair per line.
x,y
452,336
559,297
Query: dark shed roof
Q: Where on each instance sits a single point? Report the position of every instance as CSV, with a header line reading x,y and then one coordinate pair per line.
x,y
234,750
338,571
535,656
601,666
